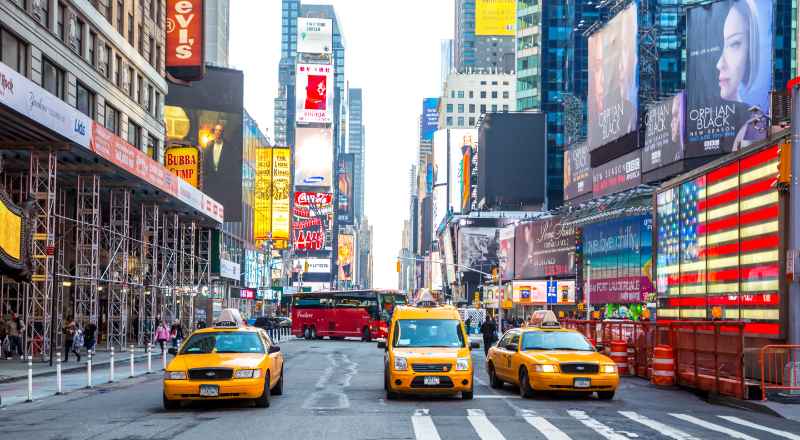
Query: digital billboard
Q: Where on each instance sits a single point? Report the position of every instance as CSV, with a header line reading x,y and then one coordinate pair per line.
x,y
664,133
495,17
543,292
185,39
262,197
505,255
184,162
617,175
619,253
577,171
613,79
440,152
477,247
314,94
718,252
729,46
461,141
312,220
347,244
344,188
429,122
314,35
544,248
313,157
209,115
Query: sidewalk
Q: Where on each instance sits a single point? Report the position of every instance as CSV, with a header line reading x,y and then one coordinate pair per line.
x,y
15,369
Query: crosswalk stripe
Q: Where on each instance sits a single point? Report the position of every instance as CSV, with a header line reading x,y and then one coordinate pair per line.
x,y
424,429
713,426
666,430
548,430
605,431
483,427
749,424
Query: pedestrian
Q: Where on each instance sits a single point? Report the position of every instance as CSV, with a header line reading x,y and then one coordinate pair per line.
x,y
5,342
176,333
90,337
69,339
489,332
15,329
162,335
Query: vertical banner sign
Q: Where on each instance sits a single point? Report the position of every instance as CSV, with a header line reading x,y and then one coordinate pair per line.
x,y
184,46
314,93
552,292
281,191
184,163
345,261
262,205
344,182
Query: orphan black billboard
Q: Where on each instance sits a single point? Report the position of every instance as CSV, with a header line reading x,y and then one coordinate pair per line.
x,y
664,128
729,70
577,171
613,79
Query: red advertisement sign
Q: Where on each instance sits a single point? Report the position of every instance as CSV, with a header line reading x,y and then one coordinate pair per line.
x,y
184,46
312,219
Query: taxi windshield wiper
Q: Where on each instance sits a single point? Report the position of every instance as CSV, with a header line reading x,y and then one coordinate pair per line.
x,y
571,348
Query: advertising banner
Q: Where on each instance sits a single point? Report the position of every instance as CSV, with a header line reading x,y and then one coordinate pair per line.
x,y
344,182
449,256
613,79
618,175
477,248
462,142
543,292
314,94
436,271
314,35
577,171
729,69
313,157
505,255
495,17
313,215
347,246
184,163
440,176
544,248
262,203
429,122
664,131
315,265
229,269
619,253
281,191
185,39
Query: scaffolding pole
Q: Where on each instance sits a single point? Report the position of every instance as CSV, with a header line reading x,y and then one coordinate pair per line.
x,y
42,190
187,273
149,264
117,268
203,259
87,250
169,266
60,289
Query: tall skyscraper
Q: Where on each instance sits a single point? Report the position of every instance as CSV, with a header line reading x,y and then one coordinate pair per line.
x,y
356,146
447,59
217,31
481,50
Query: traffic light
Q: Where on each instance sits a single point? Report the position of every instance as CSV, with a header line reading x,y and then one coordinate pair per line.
x,y
398,266
785,164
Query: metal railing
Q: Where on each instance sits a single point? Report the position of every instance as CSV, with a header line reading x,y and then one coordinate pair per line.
x,y
780,369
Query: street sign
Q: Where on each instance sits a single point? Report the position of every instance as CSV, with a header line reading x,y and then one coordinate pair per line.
x,y
552,292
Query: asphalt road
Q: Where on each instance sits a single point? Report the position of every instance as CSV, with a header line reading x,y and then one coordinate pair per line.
x,y
334,390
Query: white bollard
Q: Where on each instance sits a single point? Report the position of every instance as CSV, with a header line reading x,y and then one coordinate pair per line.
x,y
111,365
30,379
149,358
58,374
89,371
132,372
164,360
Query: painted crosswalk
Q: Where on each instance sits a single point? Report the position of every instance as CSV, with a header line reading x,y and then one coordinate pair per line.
x,y
584,425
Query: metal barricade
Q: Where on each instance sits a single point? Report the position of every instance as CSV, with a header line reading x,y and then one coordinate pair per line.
x,y
780,370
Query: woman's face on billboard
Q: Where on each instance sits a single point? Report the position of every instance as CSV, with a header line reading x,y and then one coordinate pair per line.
x,y
732,65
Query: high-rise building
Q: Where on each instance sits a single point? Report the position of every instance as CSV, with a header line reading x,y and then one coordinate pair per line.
x,y
217,31
447,59
467,96
479,52
356,146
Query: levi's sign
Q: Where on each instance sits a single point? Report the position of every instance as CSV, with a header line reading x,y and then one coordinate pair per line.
x,y
185,39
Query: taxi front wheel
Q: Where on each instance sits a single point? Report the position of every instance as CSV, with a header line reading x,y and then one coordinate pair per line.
x,y
605,395
278,390
390,395
263,401
525,389
170,404
467,395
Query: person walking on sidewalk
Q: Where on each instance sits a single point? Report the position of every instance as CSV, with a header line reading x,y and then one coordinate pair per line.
x,y
69,340
176,333
489,331
90,337
15,329
162,335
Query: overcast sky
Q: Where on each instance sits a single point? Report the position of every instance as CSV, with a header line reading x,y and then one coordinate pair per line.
x,y
393,54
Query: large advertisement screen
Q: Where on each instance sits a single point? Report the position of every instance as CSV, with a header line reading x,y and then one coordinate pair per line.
x,y
314,94
664,133
312,221
617,175
577,171
543,292
613,79
209,115
729,69
281,193
262,198
429,121
544,248
344,186
477,247
461,141
619,253
347,245
505,255
495,17
313,157
718,245
314,35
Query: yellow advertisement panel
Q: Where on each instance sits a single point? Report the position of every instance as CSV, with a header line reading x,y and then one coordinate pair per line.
x,y
346,250
281,193
262,203
183,162
495,17
10,232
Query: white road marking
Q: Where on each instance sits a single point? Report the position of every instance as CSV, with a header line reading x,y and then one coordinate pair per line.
x,y
713,426
548,430
604,430
483,427
424,429
749,424
496,396
664,429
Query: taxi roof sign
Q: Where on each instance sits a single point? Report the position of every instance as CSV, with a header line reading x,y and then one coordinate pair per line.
x,y
230,318
544,319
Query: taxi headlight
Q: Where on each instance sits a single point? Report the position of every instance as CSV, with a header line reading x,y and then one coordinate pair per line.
x,y
400,363
544,368
608,369
462,364
247,374
174,375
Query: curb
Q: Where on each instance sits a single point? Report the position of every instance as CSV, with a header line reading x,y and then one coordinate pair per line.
x,y
64,370
749,405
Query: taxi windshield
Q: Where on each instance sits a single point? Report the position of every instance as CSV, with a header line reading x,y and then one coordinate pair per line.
x,y
428,333
555,341
223,342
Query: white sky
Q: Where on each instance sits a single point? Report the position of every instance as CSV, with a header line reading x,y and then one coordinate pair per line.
x,y
393,54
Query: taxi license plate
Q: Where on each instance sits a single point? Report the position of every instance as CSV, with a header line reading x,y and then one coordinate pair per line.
x,y
209,390
582,383
430,380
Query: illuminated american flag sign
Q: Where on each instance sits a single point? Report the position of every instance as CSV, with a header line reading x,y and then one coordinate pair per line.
x,y
718,245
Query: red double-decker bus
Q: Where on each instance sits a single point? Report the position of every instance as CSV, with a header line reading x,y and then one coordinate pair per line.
x,y
346,313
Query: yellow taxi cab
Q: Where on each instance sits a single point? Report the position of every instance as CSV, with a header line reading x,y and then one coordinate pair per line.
x,y
427,352
546,357
227,361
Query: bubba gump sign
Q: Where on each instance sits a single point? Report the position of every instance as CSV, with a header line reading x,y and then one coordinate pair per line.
x,y
184,163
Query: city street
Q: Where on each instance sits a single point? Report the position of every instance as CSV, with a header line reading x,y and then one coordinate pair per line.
x,y
334,391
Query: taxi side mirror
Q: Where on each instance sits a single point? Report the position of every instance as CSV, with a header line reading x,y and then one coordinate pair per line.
x,y
599,347
382,344
512,347
274,349
173,351
474,345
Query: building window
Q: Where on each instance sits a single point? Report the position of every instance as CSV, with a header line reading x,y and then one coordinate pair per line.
x,y
483,83
152,147
14,52
483,108
494,108
472,108
85,100
157,105
505,95
471,94
452,94
158,57
149,99
151,46
120,14
494,83
153,8
460,94
134,135
60,12
107,61
118,72
471,122
141,40
461,108
42,9
460,121
129,85
112,119
505,83
494,94
92,43
505,107
78,38
130,29
52,78
140,90
449,121
449,108
483,94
